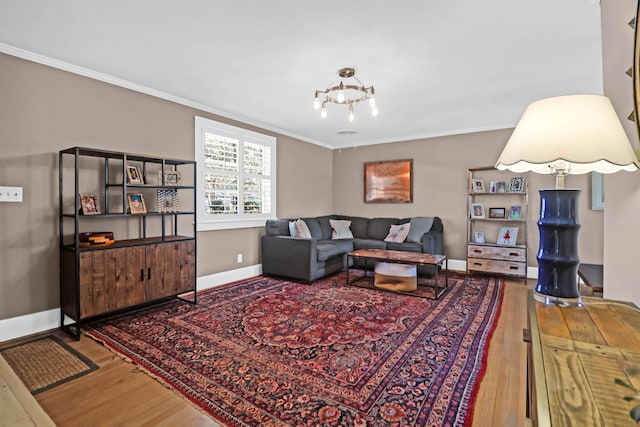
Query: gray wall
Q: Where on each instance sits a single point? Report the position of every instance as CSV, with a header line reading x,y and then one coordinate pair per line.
x,y
44,110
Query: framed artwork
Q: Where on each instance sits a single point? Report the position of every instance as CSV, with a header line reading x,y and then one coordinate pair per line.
x,y
133,175
171,178
508,236
136,203
501,187
479,236
493,187
516,185
497,212
168,200
388,182
89,204
478,186
477,210
515,212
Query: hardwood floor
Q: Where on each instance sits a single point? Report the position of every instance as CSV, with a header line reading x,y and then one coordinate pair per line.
x,y
119,394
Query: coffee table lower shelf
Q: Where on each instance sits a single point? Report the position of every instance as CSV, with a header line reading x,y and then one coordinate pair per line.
x,y
402,257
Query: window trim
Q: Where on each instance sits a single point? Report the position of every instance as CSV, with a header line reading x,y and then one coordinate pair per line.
x,y
240,220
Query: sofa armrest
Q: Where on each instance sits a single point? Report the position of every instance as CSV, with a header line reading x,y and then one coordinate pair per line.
x,y
432,243
289,256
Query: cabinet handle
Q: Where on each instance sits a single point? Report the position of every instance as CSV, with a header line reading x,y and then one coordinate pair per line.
x,y
513,254
513,267
142,274
477,263
149,273
478,251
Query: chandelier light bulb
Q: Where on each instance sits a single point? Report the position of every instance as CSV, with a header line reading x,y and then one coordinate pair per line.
x,y
316,102
374,111
341,93
351,116
323,112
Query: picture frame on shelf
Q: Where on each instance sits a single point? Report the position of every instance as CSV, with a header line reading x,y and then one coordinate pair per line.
x,y
507,236
497,212
493,187
169,178
479,237
501,187
133,175
89,204
516,184
167,201
477,210
478,185
136,203
515,212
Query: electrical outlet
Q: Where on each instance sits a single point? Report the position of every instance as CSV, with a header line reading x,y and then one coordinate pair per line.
x,y
11,194
239,258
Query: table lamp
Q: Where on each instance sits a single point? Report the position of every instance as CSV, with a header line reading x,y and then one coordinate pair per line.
x,y
563,135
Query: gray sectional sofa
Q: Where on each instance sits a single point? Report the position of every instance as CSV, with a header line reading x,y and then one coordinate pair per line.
x,y
308,259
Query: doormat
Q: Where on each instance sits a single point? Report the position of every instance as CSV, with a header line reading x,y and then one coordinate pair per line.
x,y
46,363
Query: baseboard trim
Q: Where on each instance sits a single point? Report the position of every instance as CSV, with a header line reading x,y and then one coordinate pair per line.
x,y
217,279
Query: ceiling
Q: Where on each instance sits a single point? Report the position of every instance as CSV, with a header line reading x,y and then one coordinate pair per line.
x,y
439,67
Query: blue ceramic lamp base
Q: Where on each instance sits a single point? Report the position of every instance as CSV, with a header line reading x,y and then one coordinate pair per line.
x,y
558,252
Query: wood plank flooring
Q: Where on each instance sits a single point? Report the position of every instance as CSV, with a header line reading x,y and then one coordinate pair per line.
x,y
119,394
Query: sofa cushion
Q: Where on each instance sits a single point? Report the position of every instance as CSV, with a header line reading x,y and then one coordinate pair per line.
x,y
302,229
405,246
419,226
325,227
378,228
314,227
277,227
330,248
341,229
369,244
397,233
358,225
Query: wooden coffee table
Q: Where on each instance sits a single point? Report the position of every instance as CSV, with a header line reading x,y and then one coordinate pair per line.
x,y
402,257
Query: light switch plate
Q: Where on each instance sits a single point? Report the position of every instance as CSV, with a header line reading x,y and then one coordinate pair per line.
x,y
11,194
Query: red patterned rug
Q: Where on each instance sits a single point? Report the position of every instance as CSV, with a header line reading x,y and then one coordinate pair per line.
x,y
270,352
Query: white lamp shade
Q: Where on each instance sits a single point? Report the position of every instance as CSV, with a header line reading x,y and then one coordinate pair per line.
x,y
583,131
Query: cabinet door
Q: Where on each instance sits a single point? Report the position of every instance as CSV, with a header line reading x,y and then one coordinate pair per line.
x,y
170,268
111,279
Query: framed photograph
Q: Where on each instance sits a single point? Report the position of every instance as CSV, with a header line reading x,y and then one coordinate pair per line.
x,y
493,187
168,200
388,182
508,236
133,175
479,235
515,212
89,204
477,210
169,178
478,186
501,187
136,203
516,185
497,213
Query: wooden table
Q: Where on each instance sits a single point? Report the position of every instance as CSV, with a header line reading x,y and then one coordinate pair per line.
x,y
592,276
575,354
403,257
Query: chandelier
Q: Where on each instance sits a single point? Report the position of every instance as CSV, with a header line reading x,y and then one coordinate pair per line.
x,y
354,94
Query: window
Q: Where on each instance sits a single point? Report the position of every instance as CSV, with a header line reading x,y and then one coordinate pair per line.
x,y
236,176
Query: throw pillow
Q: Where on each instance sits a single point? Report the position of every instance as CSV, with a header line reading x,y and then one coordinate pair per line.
x,y
292,228
302,230
398,233
341,229
419,226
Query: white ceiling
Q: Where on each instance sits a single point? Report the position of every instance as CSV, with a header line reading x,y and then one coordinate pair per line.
x,y
438,66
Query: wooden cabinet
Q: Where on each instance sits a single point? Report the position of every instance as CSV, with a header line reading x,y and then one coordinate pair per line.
x,y
497,201
155,260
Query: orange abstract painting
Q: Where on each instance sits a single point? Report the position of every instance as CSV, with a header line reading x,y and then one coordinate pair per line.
x,y
388,182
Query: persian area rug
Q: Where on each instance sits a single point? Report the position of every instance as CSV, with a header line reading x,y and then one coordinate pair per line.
x,y
270,352
46,362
